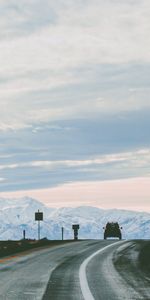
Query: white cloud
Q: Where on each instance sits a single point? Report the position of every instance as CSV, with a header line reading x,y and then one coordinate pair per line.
x,y
48,55
138,158
98,32
66,59
2,179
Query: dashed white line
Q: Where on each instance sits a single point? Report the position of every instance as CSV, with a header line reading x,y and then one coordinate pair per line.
x,y
87,295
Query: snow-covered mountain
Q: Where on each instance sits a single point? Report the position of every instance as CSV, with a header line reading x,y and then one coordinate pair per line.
x,y
18,214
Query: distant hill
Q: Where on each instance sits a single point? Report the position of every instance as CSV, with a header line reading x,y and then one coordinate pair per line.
x,y
18,214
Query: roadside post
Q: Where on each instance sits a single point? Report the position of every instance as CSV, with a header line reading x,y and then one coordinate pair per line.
x,y
38,218
75,227
62,231
24,234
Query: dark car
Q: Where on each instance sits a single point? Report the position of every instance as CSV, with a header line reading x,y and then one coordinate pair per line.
x,y
112,229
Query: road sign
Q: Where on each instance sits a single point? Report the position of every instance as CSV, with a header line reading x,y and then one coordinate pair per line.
x,y
38,216
75,227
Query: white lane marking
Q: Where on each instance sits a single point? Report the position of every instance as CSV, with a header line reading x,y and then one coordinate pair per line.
x,y
87,295
29,293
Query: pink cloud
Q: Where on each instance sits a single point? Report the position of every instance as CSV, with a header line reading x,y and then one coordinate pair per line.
x,y
131,194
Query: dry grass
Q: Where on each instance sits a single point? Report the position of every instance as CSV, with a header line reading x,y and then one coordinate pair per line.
x,y
13,247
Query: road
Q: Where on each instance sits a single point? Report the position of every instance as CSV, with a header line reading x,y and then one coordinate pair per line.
x,y
84,270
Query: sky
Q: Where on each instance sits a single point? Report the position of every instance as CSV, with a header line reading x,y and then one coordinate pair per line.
x,y
74,102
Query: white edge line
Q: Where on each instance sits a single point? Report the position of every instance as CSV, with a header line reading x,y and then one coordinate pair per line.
x,y
87,295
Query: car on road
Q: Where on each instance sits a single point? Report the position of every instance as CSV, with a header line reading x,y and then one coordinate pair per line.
x,y
112,229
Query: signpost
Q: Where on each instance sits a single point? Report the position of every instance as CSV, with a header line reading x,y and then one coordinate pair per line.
x,y
24,234
39,217
75,227
62,230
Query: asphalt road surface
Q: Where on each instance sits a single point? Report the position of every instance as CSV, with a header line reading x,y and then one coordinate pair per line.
x,y
85,270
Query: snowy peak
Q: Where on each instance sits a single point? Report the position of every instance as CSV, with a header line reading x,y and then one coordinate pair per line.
x,y
19,214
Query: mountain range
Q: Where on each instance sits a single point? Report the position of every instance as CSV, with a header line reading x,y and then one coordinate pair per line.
x,y
17,215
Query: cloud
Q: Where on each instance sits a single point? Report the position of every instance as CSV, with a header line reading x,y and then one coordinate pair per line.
x,y
86,96
25,17
64,58
2,179
74,91
133,194
139,157
46,173
96,32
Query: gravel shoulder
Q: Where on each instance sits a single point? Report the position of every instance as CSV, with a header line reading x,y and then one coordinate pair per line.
x,y
144,258
132,262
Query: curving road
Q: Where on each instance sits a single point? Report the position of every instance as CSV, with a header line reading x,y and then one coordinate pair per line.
x,y
85,270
